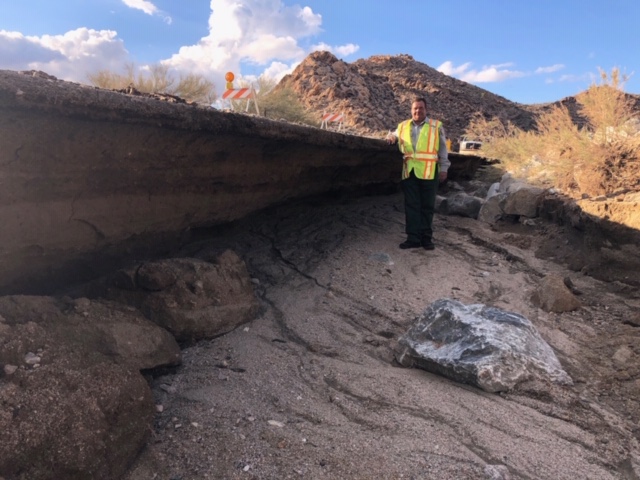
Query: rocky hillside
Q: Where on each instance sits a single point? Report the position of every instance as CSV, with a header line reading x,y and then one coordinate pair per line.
x,y
375,93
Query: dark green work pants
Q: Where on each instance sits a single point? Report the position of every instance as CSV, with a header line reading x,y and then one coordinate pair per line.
x,y
419,204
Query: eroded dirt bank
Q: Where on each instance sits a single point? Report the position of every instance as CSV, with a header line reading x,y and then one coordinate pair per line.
x,y
89,174
310,389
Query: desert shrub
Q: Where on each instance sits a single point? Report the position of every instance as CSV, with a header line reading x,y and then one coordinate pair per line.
x,y
278,103
157,79
283,103
600,157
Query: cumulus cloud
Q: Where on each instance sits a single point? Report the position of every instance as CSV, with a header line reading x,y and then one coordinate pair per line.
x,y
258,35
339,51
449,69
487,74
264,33
148,8
550,69
70,56
15,48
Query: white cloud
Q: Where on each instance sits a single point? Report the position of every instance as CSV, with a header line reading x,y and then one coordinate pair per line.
x,y
257,35
259,32
70,56
148,8
277,70
550,69
340,51
585,77
449,69
487,74
267,46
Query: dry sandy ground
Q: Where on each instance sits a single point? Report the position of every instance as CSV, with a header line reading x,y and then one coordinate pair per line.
x,y
310,389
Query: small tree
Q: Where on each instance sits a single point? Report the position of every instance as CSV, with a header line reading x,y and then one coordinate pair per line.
x,y
157,79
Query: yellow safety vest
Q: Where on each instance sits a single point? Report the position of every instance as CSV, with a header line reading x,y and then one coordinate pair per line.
x,y
423,157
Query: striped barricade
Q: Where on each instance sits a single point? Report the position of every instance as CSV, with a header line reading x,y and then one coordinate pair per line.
x,y
238,94
247,93
328,118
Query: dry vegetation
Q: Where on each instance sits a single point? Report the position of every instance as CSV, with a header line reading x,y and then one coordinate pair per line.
x,y
157,79
277,103
600,157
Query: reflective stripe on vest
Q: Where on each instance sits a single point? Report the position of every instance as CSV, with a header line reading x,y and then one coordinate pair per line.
x,y
424,158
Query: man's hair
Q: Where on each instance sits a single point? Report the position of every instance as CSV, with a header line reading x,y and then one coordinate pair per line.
x,y
419,99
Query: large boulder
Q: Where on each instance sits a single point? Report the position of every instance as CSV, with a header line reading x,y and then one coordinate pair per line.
x,y
480,345
523,200
461,204
192,298
491,210
73,403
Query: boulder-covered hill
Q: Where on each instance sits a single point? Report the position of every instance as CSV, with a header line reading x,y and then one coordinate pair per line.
x,y
375,94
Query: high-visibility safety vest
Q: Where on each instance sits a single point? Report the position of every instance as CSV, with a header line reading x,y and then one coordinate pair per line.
x,y
423,157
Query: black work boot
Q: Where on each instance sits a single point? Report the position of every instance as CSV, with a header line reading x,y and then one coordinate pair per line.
x,y
409,244
427,243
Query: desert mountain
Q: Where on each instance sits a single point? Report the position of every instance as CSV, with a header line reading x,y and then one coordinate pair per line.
x,y
375,93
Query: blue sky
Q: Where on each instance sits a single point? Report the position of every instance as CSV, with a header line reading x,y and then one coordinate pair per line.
x,y
527,52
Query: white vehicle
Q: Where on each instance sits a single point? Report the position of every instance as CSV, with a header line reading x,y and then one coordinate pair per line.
x,y
469,146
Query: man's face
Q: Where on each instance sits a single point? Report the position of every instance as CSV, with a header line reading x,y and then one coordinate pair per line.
x,y
418,112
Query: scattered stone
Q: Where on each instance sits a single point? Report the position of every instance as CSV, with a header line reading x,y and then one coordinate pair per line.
x,y
554,296
10,369
31,358
622,356
275,423
168,388
381,257
497,472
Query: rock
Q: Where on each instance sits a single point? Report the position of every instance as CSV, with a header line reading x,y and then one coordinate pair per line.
x,y
622,356
86,411
497,472
155,276
494,189
633,319
553,296
192,298
522,200
491,210
480,345
461,204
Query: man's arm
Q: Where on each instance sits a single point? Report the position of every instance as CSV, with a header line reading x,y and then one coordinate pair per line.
x,y
443,156
392,137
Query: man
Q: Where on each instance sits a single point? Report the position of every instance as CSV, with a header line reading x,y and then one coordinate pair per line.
x,y
423,145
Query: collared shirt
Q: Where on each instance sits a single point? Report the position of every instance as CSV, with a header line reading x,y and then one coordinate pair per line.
x,y
443,152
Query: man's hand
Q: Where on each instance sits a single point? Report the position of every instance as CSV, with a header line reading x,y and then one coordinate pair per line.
x,y
391,138
442,176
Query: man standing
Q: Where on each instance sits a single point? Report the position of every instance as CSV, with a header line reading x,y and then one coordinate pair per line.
x,y
423,145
